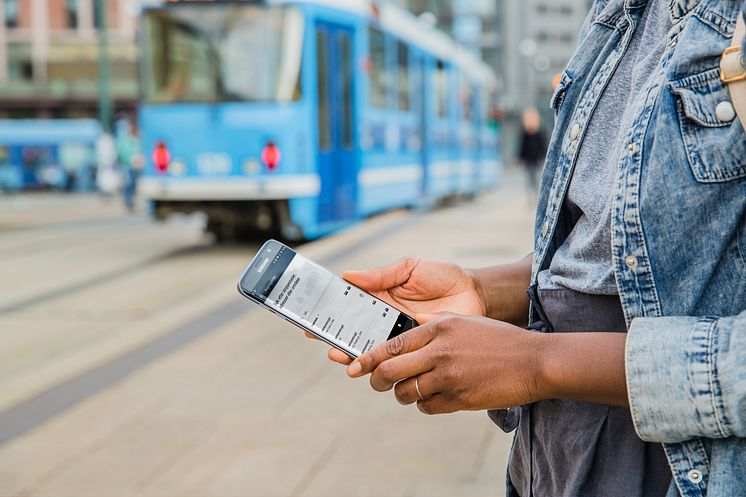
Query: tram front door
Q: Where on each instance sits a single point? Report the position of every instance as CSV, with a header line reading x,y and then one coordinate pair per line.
x,y
336,140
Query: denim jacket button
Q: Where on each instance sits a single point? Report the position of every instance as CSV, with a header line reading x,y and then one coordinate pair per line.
x,y
694,475
725,111
631,261
575,132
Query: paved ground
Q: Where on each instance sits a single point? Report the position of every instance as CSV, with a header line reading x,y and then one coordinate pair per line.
x,y
129,365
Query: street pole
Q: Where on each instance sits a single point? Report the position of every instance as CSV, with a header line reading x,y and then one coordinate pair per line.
x,y
105,109
3,47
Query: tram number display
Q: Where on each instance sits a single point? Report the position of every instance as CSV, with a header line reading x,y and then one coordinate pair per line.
x,y
214,164
218,1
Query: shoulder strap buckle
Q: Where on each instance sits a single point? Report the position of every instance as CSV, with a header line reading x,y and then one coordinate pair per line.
x,y
731,68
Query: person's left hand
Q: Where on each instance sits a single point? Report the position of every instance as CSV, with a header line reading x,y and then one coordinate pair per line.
x,y
460,362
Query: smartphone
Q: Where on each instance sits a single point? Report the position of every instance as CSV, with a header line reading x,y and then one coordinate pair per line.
x,y
320,302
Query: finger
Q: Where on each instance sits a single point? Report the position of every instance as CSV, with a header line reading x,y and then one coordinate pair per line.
x,y
406,390
310,335
425,317
390,276
398,368
337,355
409,341
436,404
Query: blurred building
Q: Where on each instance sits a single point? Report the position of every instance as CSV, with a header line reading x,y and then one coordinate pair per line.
x,y
49,55
527,42
538,38
473,23
49,49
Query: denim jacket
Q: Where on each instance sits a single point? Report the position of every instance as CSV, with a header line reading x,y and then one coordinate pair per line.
x,y
678,234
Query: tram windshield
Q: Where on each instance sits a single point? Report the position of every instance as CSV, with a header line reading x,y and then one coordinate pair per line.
x,y
222,53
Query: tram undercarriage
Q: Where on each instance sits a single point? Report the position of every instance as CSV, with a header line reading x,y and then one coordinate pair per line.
x,y
238,219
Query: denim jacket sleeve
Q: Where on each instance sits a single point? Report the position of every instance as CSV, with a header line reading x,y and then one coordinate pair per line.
x,y
686,377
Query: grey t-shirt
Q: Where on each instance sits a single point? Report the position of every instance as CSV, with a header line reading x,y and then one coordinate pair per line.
x,y
583,262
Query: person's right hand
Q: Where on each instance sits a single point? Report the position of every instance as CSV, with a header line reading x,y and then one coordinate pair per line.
x,y
421,288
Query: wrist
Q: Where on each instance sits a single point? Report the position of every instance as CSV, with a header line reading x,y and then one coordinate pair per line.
x,y
478,285
580,366
502,290
544,376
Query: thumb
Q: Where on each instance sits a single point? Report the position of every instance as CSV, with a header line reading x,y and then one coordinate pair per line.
x,y
383,278
424,317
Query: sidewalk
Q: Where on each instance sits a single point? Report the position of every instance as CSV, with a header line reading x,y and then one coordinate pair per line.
x,y
228,400
31,210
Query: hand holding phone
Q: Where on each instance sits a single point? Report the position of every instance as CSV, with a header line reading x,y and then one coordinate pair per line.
x,y
422,287
319,302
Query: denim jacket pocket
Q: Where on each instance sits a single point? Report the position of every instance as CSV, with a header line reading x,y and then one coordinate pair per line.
x,y
559,93
714,140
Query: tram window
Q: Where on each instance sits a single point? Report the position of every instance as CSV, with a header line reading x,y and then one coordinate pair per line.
x,y
485,106
195,56
325,138
440,84
345,51
403,65
12,11
467,101
378,76
416,75
71,13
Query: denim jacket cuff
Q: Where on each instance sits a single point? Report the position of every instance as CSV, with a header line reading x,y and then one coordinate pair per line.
x,y
672,378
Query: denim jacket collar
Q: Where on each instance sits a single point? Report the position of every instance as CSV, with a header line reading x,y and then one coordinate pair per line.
x,y
615,13
680,8
716,13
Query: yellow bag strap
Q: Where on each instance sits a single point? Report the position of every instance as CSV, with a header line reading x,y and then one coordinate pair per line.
x,y
732,72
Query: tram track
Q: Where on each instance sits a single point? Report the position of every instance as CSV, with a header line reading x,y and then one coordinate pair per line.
x,y
99,324
27,414
42,268
101,279
30,242
35,240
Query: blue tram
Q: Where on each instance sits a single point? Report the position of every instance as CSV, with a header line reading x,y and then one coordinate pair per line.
x,y
305,116
50,154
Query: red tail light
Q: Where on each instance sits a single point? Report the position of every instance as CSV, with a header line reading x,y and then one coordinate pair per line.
x,y
161,158
271,156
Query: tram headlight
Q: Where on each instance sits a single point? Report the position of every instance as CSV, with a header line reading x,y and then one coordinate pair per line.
x,y
177,168
271,155
161,157
251,167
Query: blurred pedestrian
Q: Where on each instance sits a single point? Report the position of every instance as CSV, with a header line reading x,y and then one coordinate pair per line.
x,y
107,179
10,175
533,148
130,161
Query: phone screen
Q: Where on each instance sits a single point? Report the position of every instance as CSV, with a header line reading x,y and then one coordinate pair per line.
x,y
308,294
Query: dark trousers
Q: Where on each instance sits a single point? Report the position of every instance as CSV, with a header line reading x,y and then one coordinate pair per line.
x,y
565,448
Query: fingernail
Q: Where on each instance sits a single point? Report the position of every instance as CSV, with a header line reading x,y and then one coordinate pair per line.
x,y
354,369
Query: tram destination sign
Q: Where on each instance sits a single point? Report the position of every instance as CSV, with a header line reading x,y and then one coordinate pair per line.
x,y
254,2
